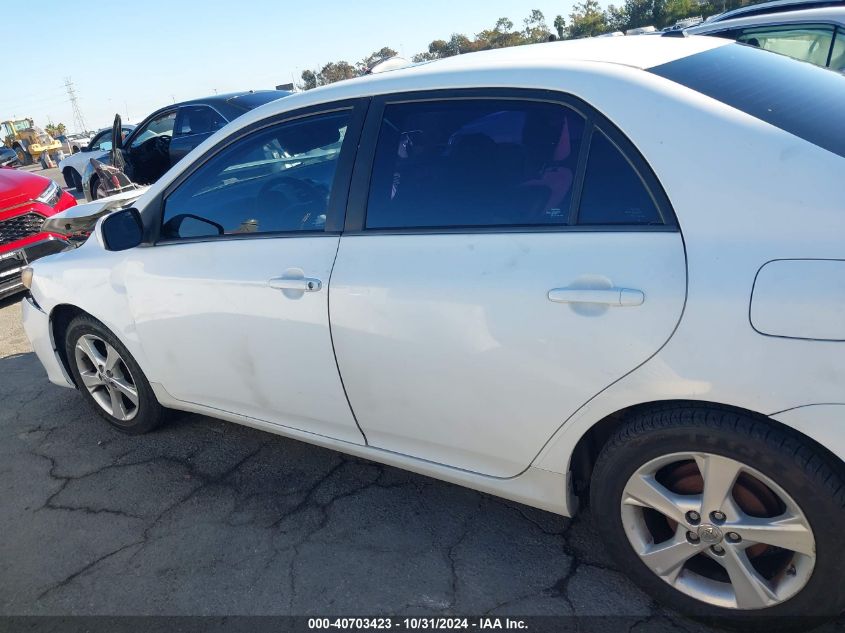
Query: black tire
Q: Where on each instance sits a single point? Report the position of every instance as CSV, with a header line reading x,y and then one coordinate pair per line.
x,y
149,413
92,186
77,180
68,174
813,480
24,156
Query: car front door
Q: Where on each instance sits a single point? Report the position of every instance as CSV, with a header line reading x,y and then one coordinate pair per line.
x,y
507,256
231,304
194,124
147,150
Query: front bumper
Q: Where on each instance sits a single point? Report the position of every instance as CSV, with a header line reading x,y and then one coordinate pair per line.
x,y
13,262
36,324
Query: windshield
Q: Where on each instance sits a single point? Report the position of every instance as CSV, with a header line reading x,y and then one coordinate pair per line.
x,y
22,125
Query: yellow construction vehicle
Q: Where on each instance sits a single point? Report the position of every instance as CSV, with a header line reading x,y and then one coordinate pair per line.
x,y
28,140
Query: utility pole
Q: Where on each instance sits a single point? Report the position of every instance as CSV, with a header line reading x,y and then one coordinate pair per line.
x,y
78,120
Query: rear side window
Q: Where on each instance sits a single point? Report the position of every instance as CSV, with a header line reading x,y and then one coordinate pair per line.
x,y
198,119
613,192
464,163
474,162
800,98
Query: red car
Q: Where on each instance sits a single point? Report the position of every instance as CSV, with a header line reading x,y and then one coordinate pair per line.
x,y
26,199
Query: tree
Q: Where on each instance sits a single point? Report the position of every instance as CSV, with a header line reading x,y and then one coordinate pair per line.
x,y
560,27
536,29
55,130
586,20
309,80
385,52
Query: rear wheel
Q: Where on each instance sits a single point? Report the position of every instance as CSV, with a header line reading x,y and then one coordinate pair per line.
x,y
722,515
68,174
109,378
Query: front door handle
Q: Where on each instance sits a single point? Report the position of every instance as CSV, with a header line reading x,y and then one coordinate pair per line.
x,y
615,297
300,284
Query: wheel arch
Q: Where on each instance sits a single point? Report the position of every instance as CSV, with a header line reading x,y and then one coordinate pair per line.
x,y
589,445
60,317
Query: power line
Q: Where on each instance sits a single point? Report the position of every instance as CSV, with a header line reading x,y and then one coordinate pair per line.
x,y
78,120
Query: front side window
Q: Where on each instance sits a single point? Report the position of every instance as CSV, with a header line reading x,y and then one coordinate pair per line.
x,y
160,126
275,180
474,162
807,43
837,54
199,120
101,142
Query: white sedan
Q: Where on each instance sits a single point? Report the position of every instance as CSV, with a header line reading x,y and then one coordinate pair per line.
x,y
607,271
73,166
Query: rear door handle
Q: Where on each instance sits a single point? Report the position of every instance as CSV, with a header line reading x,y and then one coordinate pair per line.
x,y
301,284
616,297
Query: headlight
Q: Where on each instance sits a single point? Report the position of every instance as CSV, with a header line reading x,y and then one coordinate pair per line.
x,y
50,196
26,277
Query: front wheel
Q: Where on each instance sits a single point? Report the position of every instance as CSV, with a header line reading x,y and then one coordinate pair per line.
x,y
24,156
109,378
722,515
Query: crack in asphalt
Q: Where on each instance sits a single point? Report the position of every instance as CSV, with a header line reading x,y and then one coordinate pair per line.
x,y
248,522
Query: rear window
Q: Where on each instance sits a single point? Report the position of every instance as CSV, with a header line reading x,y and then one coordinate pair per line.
x,y
252,100
795,96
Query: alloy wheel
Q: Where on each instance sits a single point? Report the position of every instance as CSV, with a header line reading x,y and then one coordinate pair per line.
x,y
718,530
106,377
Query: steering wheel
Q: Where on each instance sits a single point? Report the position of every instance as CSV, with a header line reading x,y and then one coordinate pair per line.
x,y
157,145
302,201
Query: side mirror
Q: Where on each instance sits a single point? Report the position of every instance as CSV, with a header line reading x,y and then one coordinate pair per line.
x,y
122,230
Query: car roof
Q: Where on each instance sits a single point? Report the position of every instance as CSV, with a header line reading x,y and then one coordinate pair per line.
x,y
832,15
226,98
775,6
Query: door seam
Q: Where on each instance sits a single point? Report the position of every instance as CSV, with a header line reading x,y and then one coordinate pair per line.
x,y
331,338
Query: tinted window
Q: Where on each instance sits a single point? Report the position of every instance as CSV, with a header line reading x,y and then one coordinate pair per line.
x,y
199,120
274,180
474,162
613,191
807,43
766,86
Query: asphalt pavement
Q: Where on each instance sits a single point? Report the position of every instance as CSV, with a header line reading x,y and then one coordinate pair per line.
x,y
204,517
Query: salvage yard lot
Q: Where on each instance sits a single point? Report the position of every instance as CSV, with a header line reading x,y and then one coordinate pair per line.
x,y
208,518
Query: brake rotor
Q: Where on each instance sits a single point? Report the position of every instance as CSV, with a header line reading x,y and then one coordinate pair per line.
x,y
751,495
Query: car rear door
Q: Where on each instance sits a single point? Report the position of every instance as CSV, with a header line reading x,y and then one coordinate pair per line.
x,y
231,304
507,255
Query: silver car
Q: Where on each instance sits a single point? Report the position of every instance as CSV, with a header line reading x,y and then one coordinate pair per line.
x,y
811,35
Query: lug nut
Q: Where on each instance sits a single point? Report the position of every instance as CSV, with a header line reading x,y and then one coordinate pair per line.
x,y
733,537
692,537
693,517
718,550
717,516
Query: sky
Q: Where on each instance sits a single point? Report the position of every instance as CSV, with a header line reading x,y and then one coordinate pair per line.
x,y
135,57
